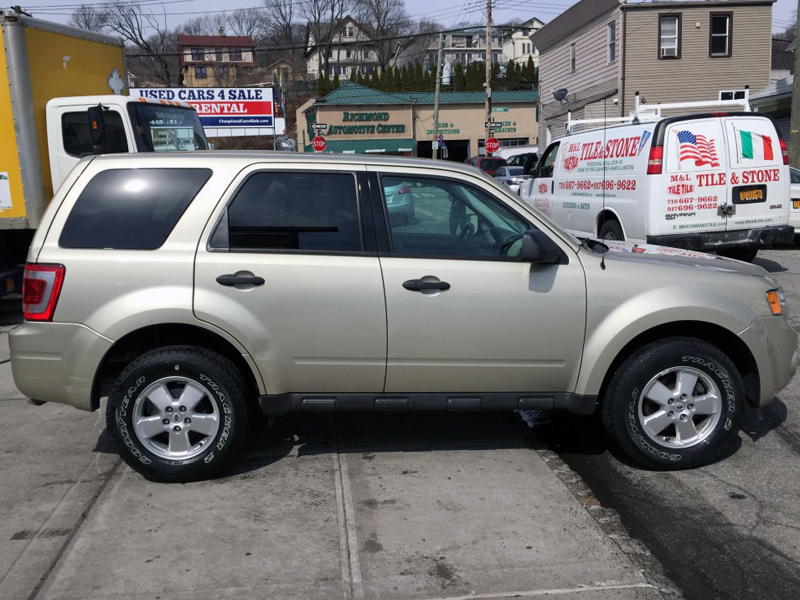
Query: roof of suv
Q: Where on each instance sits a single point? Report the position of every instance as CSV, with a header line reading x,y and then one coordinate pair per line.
x,y
207,158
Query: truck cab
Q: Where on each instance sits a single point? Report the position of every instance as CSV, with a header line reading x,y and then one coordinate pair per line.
x,y
130,125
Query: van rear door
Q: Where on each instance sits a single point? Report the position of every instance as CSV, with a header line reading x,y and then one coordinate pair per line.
x,y
758,181
694,189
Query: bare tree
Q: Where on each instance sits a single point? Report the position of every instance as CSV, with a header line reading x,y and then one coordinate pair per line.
x,y
323,18
87,16
204,25
246,22
145,33
386,19
416,49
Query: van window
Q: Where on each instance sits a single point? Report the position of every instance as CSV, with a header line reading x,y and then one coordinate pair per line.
x,y
131,209
693,146
753,142
548,161
78,137
295,211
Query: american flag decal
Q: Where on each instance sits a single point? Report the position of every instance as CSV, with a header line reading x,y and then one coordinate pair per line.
x,y
697,148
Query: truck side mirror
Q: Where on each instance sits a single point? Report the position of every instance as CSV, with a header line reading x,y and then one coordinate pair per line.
x,y
537,247
97,127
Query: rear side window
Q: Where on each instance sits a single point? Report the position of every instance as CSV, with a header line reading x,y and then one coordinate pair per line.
x,y
300,210
131,209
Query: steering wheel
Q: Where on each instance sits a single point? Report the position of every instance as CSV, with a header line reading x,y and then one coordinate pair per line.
x,y
466,231
505,244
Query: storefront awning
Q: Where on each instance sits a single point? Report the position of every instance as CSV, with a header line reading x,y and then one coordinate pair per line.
x,y
377,146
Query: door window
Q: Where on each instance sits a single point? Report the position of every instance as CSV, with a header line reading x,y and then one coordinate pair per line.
x,y
288,211
549,161
445,218
78,137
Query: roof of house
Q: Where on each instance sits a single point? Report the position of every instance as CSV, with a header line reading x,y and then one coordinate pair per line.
x,y
353,93
327,29
216,40
776,89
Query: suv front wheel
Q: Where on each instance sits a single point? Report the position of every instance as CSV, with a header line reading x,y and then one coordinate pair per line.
x,y
675,404
178,413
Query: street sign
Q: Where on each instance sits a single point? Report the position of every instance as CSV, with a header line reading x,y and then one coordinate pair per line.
x,y
319,144
440,137
492,124
319,126
492,145
434,145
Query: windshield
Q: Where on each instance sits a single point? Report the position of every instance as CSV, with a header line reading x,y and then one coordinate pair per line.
x,y
514,171
166,128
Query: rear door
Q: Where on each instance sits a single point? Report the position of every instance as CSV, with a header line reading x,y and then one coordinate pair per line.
x,y
758,185
694,191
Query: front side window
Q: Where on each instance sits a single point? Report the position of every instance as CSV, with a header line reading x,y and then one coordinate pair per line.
x,y
78,137
447,218
720,38
669,36
612,42
549,161
306,211
131,209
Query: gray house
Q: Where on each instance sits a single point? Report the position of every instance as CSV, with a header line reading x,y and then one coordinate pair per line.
x,y
603,51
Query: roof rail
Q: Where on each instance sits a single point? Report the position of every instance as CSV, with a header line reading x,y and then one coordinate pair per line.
x,y
649,112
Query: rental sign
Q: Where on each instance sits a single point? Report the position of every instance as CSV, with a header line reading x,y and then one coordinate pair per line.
x,y
220,107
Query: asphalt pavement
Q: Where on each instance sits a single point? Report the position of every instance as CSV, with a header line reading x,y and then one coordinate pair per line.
x,y
348,506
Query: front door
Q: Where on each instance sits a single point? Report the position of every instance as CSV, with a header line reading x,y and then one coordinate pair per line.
x,y
286,273
464,314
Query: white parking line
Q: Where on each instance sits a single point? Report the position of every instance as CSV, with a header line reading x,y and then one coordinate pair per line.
x,y
552,592
348,539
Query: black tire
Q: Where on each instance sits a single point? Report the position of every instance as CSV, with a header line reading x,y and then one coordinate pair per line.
x,y
611,230
743,254
225,389
620,409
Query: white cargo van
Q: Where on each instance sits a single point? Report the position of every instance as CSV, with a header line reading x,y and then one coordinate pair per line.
x,y
712,182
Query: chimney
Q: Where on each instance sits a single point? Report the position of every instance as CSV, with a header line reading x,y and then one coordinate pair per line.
x,y
222,31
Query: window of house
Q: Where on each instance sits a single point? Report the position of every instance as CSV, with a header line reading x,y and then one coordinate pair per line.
x,y
198,54
719,43
293,211
348,31
731,95
572,58
218,53
201,72
612,42
235,54
349,53
669,36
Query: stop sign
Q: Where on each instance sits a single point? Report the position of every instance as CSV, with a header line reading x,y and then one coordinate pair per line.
x,y
492,145
318,143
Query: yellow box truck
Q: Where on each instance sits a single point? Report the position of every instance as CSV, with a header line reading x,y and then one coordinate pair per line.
x,y
51,76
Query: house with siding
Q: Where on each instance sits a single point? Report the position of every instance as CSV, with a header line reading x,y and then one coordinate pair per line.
x,y
604,51
215,60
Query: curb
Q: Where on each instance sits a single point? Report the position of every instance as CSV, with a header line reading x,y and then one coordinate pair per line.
x,y
607,519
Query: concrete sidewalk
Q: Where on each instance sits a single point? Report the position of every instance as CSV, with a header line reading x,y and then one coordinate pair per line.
x,y
405,506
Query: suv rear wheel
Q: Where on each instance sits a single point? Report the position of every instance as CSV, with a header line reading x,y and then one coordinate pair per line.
x,y
178,413
675,404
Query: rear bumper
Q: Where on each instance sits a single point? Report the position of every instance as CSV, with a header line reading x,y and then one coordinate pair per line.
x,y
56,362
774,346
763,237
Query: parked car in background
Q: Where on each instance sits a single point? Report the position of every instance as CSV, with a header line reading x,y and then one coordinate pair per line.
x,y
794,213
399,201
487,164
521,160
509,152
511,177
192,289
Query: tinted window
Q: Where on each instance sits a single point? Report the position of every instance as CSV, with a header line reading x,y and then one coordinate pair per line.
x,y
549,161
131,209
492,163
441,217
295,211
78,138
514,171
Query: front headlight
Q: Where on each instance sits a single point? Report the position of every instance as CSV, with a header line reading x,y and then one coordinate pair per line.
x,y
776,300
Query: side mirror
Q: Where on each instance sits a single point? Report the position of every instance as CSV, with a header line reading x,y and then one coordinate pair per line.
x,y
537,247
97,128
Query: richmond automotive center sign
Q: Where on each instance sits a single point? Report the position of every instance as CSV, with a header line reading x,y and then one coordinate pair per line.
x,y
220,107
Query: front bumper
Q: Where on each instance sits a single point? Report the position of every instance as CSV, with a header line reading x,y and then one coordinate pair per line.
x,y
712,241
57,362
774,346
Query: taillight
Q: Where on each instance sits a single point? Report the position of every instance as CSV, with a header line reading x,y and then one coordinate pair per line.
x,y
41,287
404,190
656,161
784,151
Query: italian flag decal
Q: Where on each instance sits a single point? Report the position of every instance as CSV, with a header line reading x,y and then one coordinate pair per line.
x,y
755,145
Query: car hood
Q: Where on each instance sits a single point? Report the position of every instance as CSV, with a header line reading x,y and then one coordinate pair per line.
x,y
676,256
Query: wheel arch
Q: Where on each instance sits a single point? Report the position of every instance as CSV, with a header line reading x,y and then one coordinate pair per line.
x,y
148,338
608,214
723,339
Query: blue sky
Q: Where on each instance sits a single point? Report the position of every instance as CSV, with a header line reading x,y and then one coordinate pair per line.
x,y
447,12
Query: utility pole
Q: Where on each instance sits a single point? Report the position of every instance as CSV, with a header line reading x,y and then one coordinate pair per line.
x,y
488,84
794,135
436,96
